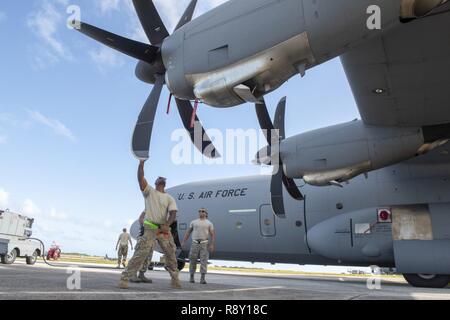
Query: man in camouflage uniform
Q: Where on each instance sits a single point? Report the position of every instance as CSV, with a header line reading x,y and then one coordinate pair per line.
x,y
202,230
158,206
122,248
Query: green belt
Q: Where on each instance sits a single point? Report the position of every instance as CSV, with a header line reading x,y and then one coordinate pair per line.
x,y
153,226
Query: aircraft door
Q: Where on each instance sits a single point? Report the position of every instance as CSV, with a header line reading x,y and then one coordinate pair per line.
x,y
267,221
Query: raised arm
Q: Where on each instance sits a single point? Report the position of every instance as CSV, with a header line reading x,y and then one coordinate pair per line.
x,y
141,178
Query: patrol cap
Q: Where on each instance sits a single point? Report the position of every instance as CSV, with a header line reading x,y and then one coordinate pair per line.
x,y
160,180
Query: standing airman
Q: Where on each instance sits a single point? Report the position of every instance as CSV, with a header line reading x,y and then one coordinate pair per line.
x,y
122,248
160,212
202,231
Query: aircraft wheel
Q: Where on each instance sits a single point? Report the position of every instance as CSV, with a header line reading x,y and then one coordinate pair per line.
x,y
9,258
427,280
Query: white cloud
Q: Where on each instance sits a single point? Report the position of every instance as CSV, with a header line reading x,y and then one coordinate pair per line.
x,y
30,208
58,127
4,199
108,5
105,58
107,223
44,22
58,215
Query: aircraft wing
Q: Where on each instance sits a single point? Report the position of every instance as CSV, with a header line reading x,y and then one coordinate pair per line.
x,y
410,68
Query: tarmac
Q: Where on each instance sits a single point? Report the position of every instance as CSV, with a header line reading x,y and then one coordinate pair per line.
x,y
42,282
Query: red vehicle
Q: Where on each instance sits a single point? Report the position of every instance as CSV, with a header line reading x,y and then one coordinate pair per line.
x,y
54,253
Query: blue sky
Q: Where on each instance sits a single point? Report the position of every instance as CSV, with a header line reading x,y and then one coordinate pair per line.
x,y
68,107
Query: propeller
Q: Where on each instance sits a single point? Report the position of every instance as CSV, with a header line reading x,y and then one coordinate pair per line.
x,y
275,133
151,56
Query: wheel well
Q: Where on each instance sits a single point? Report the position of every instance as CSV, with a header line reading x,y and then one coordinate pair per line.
x,y
18,251
38,252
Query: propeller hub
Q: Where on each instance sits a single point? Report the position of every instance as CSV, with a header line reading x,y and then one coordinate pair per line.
x,y
147,72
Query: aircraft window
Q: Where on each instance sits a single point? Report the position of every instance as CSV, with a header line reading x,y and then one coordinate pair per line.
x,y
298,223
239,225
339,206
267,222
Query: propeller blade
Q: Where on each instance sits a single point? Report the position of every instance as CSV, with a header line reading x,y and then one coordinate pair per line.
x,y
264,120
279,178
188,14
202,142
279,121
135,49
276,192
292,188
289,183
143,131
151,21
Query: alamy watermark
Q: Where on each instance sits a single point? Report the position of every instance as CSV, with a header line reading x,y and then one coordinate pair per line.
x,y
74,18
235,146
74,280
374,282
374,20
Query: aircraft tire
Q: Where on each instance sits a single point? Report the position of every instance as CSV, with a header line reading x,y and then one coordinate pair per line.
x,y
427,281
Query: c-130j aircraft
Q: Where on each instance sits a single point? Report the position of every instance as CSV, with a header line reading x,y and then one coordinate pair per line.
x,y
374,191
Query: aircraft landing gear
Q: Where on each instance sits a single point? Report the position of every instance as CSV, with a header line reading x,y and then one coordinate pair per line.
x,y
427,280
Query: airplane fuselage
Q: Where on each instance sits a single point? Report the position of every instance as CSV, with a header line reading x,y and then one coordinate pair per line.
x,y
333,226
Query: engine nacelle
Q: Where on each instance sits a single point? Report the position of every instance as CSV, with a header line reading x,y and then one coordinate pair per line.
x,y
245,81
419,8
339,153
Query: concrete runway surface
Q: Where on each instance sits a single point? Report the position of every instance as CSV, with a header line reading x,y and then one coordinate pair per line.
x,y
20,281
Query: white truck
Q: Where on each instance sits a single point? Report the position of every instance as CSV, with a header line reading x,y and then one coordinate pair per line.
x,y
15,233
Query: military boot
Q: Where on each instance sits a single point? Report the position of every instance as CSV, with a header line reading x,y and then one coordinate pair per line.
x,y
143,278
202,280
123,284
135,279
175,284
192,279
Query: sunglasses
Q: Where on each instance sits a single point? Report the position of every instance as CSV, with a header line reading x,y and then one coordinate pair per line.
x,y
201,211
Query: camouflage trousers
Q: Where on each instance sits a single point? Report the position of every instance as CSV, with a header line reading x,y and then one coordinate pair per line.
x,y
122,254
145,245
199,250
147,261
